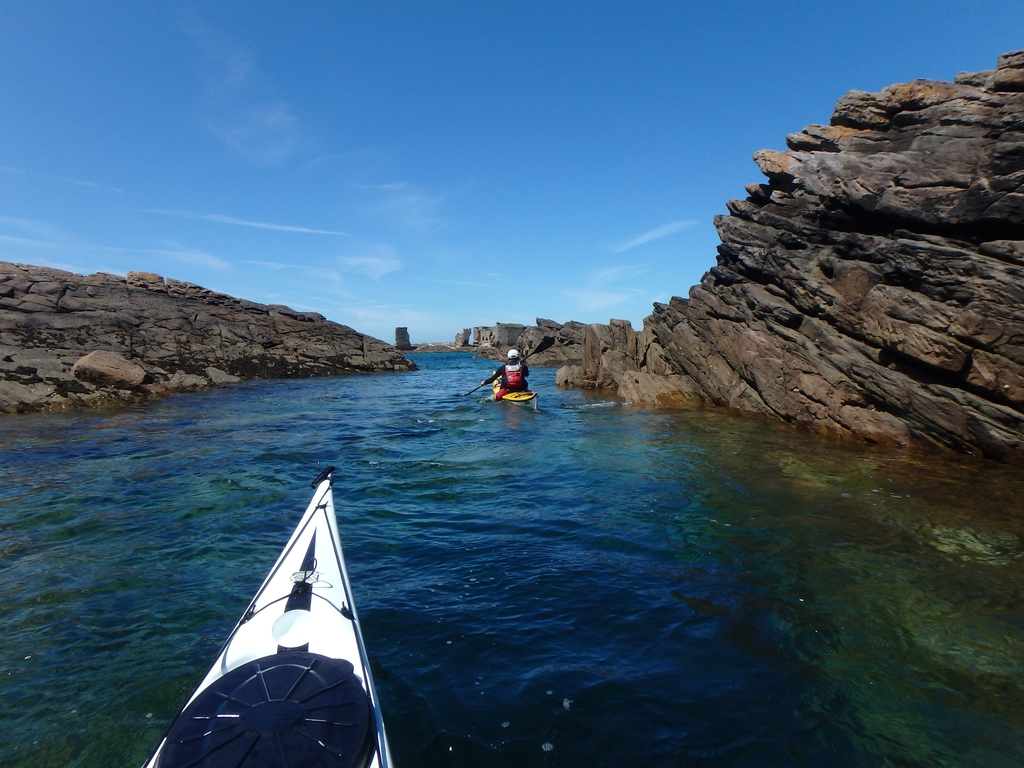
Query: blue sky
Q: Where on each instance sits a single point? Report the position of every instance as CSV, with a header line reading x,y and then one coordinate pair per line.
x,y
432,165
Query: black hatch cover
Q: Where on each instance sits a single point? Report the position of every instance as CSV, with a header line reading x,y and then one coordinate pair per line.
x,y
289,710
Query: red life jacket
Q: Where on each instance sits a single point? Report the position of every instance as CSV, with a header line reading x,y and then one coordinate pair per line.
x,y
514,376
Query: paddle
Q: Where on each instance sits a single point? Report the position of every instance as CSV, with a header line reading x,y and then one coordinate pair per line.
x,y
463,394
544,344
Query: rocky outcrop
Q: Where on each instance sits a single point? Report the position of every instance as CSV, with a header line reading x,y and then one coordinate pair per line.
x,y
69,340
494,342
873,287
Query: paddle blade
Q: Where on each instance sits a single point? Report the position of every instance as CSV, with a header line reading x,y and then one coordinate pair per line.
x,y
546,343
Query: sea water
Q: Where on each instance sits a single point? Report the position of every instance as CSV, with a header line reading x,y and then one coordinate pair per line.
x,y
588,585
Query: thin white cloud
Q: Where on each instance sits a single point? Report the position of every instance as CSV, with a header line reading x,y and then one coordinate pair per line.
x,y
221,219
454,282
177,252
371,159
654,234
591,300
89,184
40,234
271,265
27,241
370,313
241,108
31,227
63,179
619,274
373,260
322,159
195,257
372,266
294,292
326,279
406,205
78,248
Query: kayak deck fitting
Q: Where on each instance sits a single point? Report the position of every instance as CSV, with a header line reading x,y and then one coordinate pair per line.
x,y
291,687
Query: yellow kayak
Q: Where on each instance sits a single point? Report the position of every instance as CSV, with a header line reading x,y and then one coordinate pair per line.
x,y
527,398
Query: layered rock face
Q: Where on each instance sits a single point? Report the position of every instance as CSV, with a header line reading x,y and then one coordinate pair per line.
x,y
70,340
874,287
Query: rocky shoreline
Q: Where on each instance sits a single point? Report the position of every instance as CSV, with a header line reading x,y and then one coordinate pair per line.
x,y
873,288
70,340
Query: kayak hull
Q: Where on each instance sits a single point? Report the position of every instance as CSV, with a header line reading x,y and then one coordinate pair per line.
x,y
527,399
292,683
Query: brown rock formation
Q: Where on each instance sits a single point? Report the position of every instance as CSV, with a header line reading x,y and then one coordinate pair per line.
x,y
69,340
874,287
109,369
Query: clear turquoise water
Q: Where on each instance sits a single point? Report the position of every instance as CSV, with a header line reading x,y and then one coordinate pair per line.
x,y
590,585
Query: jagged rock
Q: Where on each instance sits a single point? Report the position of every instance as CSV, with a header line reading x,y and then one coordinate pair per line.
x,y
50,319
109,369
219,377
608,352
873,288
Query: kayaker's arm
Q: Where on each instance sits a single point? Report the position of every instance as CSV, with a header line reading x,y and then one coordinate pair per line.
x,y
493,376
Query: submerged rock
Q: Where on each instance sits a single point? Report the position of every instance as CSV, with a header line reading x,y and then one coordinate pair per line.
x,y
872,288
69,340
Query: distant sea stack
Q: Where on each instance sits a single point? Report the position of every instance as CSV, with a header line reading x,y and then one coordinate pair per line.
x,y
70,340
874,287
461,343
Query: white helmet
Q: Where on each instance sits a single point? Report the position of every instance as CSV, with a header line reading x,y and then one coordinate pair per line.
x,y
513,354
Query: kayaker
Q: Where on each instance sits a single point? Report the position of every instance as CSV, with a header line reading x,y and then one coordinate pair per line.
x,y
513,376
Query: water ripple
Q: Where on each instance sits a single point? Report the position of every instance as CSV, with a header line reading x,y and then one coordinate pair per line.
x,y
587,585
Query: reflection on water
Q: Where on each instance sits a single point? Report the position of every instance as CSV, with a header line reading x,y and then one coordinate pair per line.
x,y
588,585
